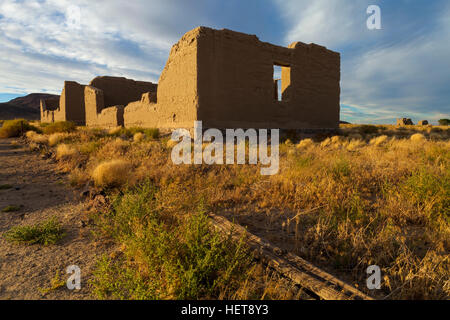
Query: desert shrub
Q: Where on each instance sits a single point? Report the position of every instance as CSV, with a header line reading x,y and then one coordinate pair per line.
x,y
325,143
115,131
436,130
60,126
367,129
429,192
10,209
89,147
56,138
305,143
36,137
340,168
113,173
171,143
55,283
5,186
16,128
46,232
179,258
130,132
354,145
379,140
65,152
139,136
417,137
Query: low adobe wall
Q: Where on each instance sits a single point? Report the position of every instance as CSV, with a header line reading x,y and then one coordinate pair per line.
x,y
110,117
47,108
106,97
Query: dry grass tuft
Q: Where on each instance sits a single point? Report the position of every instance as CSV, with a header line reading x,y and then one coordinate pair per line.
x,y
65,152
355,145
418,137
36,137
56,138
305,143
325,143
113,173
170,143
138,137
379,140
114,131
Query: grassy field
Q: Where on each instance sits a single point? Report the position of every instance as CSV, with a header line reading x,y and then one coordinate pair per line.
x,y
370,195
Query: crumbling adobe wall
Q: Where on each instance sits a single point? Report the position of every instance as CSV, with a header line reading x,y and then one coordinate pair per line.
x,y
71,103
110,117
176,101
106,97
121,91
225,79
236,87
94,104
47,108
69,107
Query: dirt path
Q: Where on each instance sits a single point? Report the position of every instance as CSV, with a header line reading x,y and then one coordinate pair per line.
x,y
40,192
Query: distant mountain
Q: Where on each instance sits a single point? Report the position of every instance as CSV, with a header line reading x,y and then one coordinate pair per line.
x,y
24,107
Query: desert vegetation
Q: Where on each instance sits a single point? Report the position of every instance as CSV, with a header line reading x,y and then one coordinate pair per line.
x,y
368,195
46,233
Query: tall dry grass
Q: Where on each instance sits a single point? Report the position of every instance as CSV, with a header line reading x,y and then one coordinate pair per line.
x,y
371,195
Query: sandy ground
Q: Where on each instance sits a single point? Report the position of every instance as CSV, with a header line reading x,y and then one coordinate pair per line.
x,y
41,192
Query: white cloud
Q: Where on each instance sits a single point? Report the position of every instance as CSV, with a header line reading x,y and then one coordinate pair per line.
x,y
384,74
40,47
332,23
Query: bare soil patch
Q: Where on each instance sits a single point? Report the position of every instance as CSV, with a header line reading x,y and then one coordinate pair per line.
x,y
32,184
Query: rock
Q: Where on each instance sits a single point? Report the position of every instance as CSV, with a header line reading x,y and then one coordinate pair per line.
x,y
404,122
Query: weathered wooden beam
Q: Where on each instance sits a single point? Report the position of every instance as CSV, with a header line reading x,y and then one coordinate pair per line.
x,y
300,271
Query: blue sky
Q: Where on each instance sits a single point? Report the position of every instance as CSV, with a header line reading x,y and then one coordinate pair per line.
x,y
401,70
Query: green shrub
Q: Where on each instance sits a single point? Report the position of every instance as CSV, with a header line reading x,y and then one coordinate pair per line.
x,y
5,186
444,122
429,192
368,129
130,132
10,209
61,126
166,257
16,128
340,168
46,232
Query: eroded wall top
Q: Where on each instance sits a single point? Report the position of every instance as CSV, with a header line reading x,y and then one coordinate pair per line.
x,y
121,91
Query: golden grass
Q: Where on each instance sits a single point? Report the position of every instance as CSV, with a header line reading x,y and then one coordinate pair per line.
x,y
65,152
417,137
305,143
379,140
371,195
36,137
113,173
56,138
138,137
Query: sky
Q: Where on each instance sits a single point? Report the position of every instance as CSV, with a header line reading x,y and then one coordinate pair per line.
x,y
400,70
